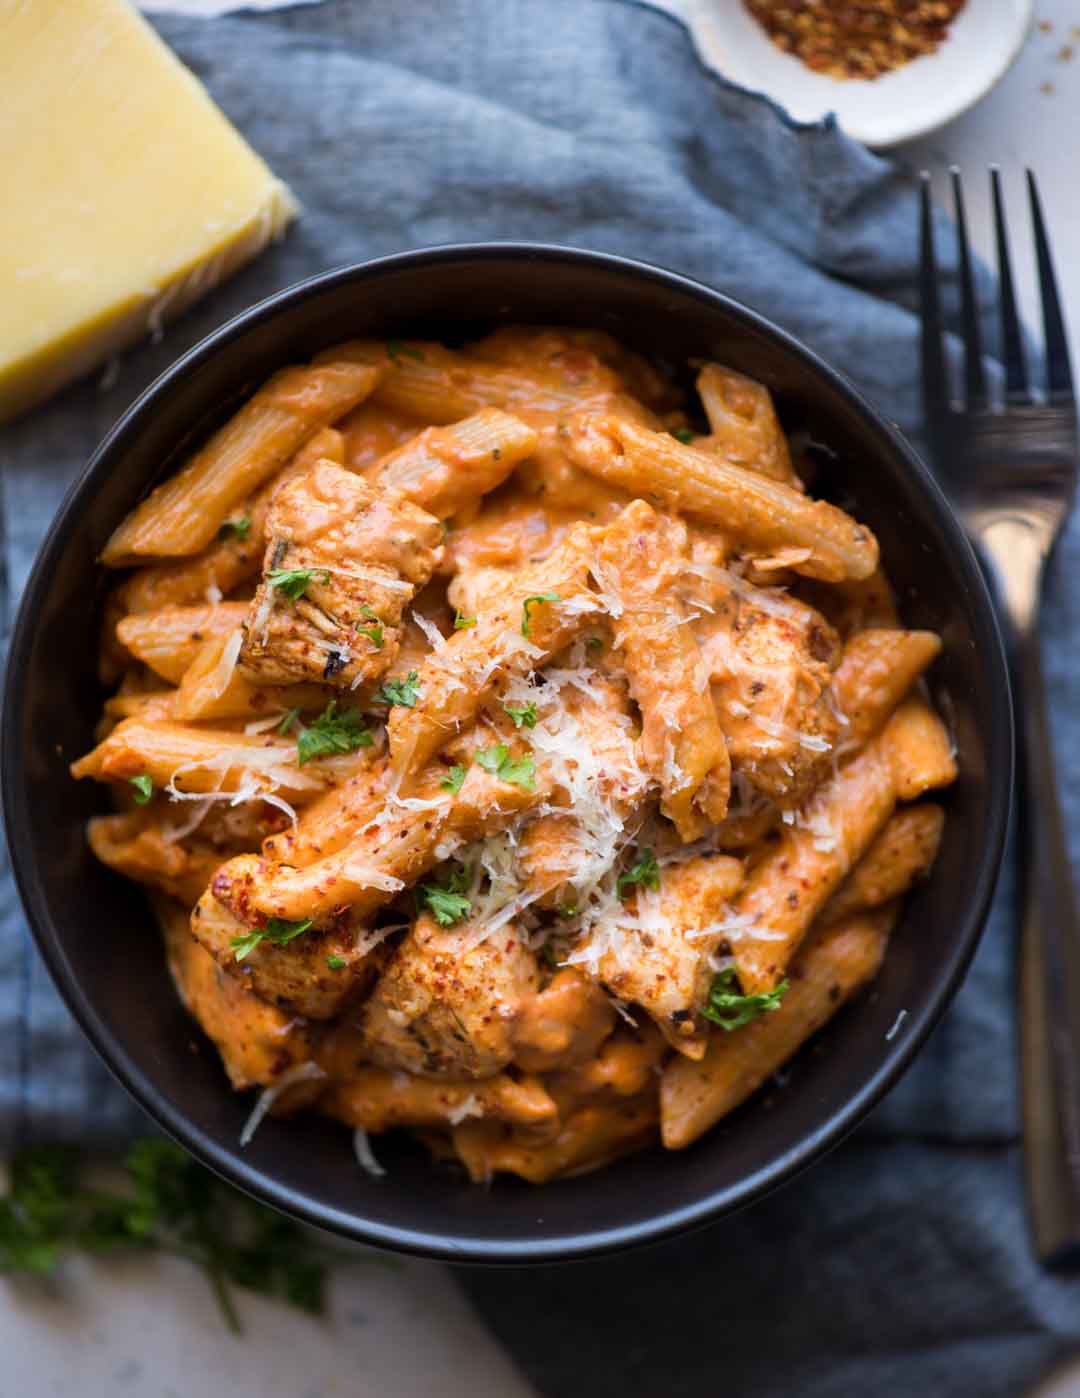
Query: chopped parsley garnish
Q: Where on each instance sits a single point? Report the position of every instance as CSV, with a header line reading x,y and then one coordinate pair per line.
x,y
462,623
168,1204
519,771
594,643
645,872
396,348
731,1010
375,631
684,435
453,779
288,721
293,582
336,963
331,733
240,527
144,788
400,692
277,930
524,715
531,602
447,902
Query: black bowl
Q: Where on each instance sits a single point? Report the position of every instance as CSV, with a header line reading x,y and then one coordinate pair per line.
x,y
95,931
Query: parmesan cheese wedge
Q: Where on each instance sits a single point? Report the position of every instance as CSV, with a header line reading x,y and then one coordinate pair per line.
x,y
127,194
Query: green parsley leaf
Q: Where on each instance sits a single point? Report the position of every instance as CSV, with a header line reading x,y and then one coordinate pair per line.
x,y
375,631
293,582
524,715
447,902
170,1204
519,771
453,779
462,623
144,788
240,527
288,721
402,692
336,963
396,348
684,435
331,733
277,930
531,602
645,872
731,1010
594,643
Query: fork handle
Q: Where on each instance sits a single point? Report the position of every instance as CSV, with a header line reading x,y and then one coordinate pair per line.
x,y
1049,974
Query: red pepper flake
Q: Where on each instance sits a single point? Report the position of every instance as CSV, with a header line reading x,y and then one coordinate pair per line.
x,y
856,38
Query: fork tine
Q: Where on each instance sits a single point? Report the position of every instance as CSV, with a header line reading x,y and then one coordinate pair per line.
x,y
934,368
1059,382
1017,387
974,378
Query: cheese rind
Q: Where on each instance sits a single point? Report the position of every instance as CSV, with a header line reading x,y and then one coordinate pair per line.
x,y
128,195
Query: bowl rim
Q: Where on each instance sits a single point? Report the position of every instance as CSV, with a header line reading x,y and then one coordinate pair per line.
x,y
227,1161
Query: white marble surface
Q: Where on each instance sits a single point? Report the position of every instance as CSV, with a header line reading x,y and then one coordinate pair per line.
x,y
148,1328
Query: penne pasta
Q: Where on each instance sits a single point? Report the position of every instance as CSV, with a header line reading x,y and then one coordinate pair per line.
x,y
743,427
642,555
205,761
903,852
467,707
169,640
835,963
876,670
443,469
182,515
788,888
236,553
547,607
767,514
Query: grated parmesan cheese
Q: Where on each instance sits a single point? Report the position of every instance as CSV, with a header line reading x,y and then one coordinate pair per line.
x,y
365,1156
302,1072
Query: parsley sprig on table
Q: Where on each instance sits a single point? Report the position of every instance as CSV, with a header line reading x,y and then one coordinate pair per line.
x,y
332,733
168,1203
447,902
730,1009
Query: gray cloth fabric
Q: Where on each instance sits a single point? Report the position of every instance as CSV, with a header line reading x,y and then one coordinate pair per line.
x,y
901,1264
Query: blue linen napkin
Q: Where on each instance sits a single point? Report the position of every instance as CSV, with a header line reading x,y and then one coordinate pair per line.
x,y
901,1264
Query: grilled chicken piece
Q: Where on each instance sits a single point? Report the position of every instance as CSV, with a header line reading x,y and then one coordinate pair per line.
x,y
771,660
443,1009
342,563
663,965
313,974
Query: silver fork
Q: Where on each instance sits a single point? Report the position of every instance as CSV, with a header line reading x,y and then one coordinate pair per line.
x,y
1011,470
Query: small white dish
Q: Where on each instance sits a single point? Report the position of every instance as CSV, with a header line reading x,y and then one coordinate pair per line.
x,y
911,101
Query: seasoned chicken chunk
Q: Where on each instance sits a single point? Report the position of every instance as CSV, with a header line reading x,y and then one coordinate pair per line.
x,y
313,973
342,563
446,1009
771,658
662,963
